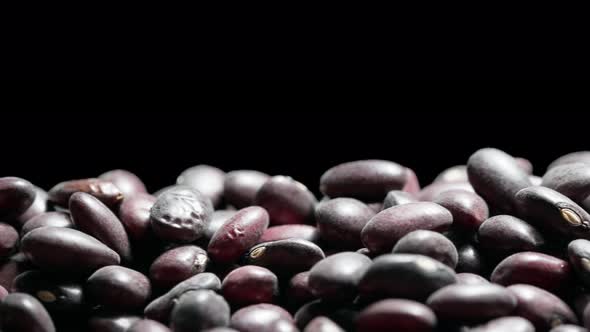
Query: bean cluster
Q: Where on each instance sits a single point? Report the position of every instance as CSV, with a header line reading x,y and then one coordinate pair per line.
x,y
486,247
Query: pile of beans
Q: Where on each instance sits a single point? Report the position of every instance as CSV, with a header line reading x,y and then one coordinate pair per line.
x,y
486,247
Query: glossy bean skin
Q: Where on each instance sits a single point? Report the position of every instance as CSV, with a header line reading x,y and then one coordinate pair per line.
x,y
67,250
262,318
287,201
241,186
336,277
177,265
250,284
571,180
134,214
288,256
412,184
570,158
428,243
3,293
541,270
505,234
11,267
148,325
298,231
470,260
16,196
322,324
221,329
160,308
22,312
568,328
396,315
428,193
383,231
206,179
128,183
504,324
180,214
105,191
398,197
38,207
554,212
111,323
198,310
344,315
218,219
54,219
8,240
341,220
468,209
405,276
456,173
298,290
467,278
363,179
543,309
118,288
92,217
238,234
58,296
471,303
579,257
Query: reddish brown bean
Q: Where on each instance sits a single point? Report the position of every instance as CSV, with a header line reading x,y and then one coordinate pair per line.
x,y
336,277
128,183
298,291
469,210
118,287
262,318
250,284
504,324
38,207
322,324
134,213
54,219
177,265
105,191
288,256
297,231
396,315
8,240
505,234
16,196
240,187
397,197
341,220
22,312
431,191
287,201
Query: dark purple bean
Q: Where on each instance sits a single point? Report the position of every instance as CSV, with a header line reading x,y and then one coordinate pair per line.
x,y
396,315
298,291
148,325
198,310
298,231
453,174
467,278
553,211
579,257
288,256
240,187
363,179
496,177
3,293
524,164
54,219
429,192
428,243
533,268
262,318
322,324
568,328
181,214
92,217
412,185
471,303
505,234
134,213
16,196
57,295
117,287
468,209
383,231
505,324
470,260
218,219
397,197
541,308
336,277
67,250
345,316
238,234
405,276
574,157
128,183
221,329
341,220
250,284
177,265
105,191
21,312
8,240
571,180
287,201
12,267
38,207
206,179
160,308
111,323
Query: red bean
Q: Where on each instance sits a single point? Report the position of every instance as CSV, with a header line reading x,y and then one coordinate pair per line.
x,y
128,183
287,201
177,265
240,187
105,191
396,315
250,284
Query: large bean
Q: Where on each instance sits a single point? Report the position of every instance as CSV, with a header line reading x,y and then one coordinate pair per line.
x,y
218,219
430,192
105,191
111,323
397,197
505,234
262,318
571,180
298,290
341,220
287,201
148,325
177,265
428,243
343,315
206,179
118,287
128,183
336,277
468,209
570,158
505,324
298,231
54,219
21,312
382,232
58,296
322,324
456,173
288,256
16,196
12,267
396,315
134,213
241,186
579,257
198,310
38,207
250,284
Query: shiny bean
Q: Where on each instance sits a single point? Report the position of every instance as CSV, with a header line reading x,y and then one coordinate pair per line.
x,y
288,256
505,324
341,220
396,315
177,265
571,180
298,290
3,293
148,325
412,184
262,318
59,296
128,183
21,312
8,240
206,179
240,187
431,191
198,310
568,328
363,179
398,197
579,257
287,201
468,209
118,288
105,191
38,207
470,260
298,231
570,158
218,219
134,214
467,278
250,284
16,196
336,277
54,219
453,174
12,267
342,314
111,323
239,233
506,234
428,243
383,231
322,324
